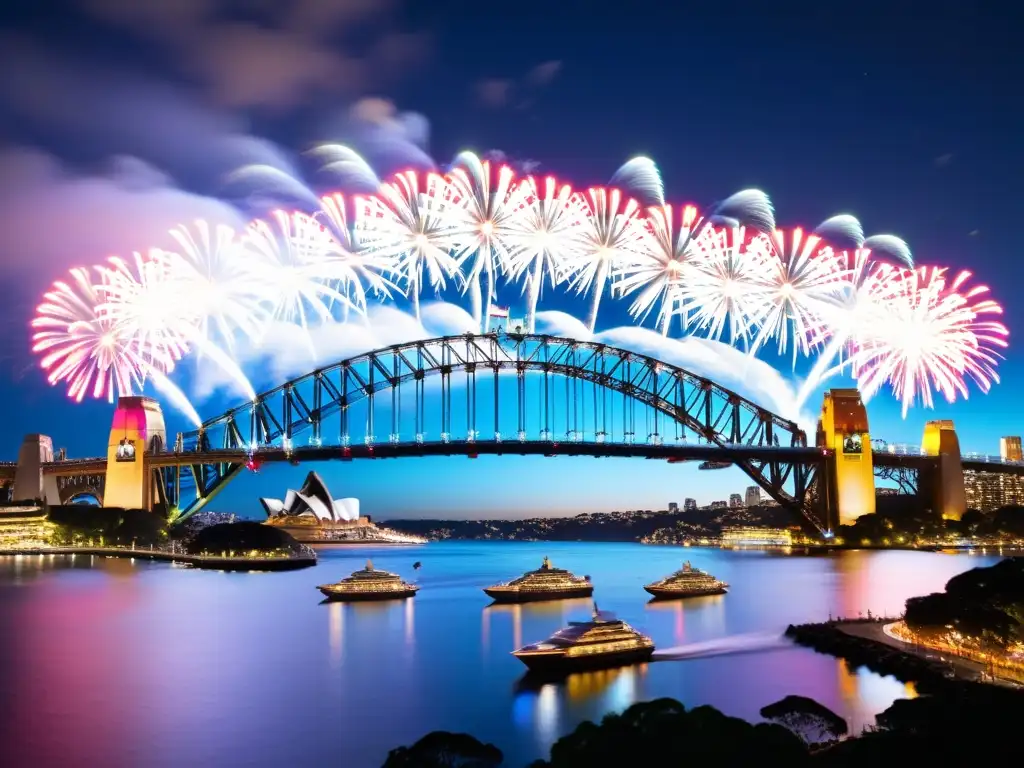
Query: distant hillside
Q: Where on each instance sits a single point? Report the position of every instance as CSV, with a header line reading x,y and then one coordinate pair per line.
x,y
611,526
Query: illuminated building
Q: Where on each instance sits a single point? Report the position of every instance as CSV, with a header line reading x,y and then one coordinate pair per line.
x,y
24,528
991,490
1010,449
735,500
756,537
753,496
311,515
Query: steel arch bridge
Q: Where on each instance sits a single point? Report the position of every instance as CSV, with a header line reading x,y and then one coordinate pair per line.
x,y
570,398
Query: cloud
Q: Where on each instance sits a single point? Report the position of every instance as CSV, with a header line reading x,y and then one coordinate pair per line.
x,y
497,93
117,113
53,219
275,55
943,160
544,73
248,66
494,93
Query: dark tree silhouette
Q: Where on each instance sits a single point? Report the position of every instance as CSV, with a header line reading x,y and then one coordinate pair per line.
x,y
664,733
441,749
240,537
805,717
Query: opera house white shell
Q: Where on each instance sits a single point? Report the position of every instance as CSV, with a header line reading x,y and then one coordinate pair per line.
x,y
313,501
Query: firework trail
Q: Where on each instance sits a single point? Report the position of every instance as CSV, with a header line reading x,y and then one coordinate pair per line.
x,y
641,177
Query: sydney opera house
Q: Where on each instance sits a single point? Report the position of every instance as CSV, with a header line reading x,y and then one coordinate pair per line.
x,y
312,515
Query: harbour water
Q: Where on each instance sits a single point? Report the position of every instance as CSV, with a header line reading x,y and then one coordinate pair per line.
x,y
120,663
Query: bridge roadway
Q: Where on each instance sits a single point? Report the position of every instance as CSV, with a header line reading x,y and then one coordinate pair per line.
x,y
669,452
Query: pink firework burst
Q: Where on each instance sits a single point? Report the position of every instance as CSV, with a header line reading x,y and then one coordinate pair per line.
x,y
934,333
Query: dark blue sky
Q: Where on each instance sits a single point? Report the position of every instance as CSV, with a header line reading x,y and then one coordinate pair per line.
x,y
906,115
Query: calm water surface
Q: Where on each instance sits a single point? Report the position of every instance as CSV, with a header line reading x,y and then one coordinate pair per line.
x,y
114,663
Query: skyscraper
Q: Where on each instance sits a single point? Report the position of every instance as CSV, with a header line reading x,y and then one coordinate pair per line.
x,y
735,500
690,505
753,496
1010,449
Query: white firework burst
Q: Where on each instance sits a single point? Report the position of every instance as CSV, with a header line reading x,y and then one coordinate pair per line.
x,y
227,297
611,239
296,258
544,232
368,271
661,264
410,225
482,228
799,277
722,287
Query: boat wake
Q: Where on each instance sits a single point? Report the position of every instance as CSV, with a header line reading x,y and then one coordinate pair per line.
x,y
755,642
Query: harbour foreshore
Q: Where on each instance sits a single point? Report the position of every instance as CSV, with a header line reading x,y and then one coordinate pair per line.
x,y
219,563
865,642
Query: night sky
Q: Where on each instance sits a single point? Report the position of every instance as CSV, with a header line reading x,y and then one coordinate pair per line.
x,y
119,119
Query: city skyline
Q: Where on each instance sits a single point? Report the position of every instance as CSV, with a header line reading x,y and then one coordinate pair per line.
x,y
928,178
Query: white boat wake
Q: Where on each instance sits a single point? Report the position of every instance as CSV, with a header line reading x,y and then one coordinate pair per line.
x,y
753,642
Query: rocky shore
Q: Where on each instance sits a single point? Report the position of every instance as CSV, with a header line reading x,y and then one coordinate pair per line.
x,y
927,675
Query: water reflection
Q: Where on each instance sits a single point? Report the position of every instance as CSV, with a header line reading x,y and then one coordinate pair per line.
x,y
336,628
207,659
539,702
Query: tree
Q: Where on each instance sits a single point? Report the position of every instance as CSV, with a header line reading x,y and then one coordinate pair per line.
x,y
441,749
811,721
664,733
240,537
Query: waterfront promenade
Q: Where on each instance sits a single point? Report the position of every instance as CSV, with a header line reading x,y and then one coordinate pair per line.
x,y
246,562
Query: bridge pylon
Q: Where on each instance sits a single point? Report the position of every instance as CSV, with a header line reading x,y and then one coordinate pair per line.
x,y
848,490
29,482
944,483
137,431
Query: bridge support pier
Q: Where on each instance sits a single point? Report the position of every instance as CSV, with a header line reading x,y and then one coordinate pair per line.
x,y
136,432
848,489
29,482
943,485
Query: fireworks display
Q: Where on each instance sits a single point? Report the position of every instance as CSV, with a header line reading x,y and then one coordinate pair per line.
x,y
852,304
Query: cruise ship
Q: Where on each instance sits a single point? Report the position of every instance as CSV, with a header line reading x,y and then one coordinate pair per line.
x,y
687,582
602,643
369,584
546,583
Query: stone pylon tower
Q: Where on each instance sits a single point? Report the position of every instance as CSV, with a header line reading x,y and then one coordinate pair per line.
x,y
137,431
843,428
35,451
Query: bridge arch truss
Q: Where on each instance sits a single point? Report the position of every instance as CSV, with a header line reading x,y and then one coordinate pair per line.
x,y
496,393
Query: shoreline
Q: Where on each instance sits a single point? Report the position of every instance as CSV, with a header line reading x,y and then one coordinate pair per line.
x,y
864,643
205,562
